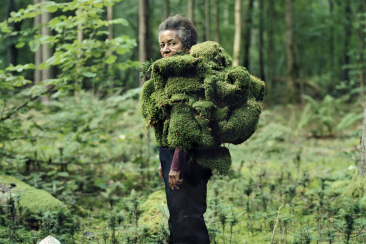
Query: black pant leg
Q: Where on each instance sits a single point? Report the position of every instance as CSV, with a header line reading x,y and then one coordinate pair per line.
x,y
188,204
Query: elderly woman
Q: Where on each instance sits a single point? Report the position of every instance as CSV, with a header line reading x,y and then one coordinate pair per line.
x,y
185,183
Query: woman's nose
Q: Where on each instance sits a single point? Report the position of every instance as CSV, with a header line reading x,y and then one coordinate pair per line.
x,y
166,49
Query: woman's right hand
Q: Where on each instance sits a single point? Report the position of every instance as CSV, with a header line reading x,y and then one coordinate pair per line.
x,y
161,173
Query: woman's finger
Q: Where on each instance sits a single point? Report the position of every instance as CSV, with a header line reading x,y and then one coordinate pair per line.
x,y
161,174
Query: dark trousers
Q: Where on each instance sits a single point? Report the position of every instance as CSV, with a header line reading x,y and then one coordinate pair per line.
x,y
188,204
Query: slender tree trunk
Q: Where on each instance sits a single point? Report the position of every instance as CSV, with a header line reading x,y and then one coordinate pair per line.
x,y
248,33
207,20
143,33
46,50
361,165
190,10
38,54
290,51
347,37
166,9
12,50
359,8
80,37
271,49
217,20
237,37
110,37
331,42
261,45
110,17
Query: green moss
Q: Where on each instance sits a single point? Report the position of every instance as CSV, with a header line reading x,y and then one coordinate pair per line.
x,y
152,211
184,130
182,85
217,159
241,124
356,188
31,198
198,101
212,53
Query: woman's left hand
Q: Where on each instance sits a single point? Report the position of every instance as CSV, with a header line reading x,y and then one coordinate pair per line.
x,y
174,180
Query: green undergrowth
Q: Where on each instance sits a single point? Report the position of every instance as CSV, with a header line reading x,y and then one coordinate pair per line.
x,y
123,200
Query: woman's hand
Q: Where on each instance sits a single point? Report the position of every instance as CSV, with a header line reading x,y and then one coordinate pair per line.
x,y
161,173
174,180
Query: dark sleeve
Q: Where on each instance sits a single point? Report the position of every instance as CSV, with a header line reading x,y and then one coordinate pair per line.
x,y
179,160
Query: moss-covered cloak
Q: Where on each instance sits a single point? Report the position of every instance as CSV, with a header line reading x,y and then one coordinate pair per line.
x,y
198,101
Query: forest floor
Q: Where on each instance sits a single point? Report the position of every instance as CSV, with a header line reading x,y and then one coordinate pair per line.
x,y
287,185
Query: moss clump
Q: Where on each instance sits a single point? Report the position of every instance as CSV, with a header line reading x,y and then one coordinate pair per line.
x,y
152,211
199,101
356,187
31,198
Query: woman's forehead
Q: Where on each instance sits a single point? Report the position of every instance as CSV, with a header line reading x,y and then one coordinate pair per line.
x,y
169,35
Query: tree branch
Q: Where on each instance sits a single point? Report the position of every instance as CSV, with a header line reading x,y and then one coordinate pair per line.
x,y
13,111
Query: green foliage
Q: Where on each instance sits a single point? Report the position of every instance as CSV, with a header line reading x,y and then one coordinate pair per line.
x,y
327,116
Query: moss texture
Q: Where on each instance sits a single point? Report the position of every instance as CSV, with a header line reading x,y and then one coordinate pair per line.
x,y
198,101
151,214
31,198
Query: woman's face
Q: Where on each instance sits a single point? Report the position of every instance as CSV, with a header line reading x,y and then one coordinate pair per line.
x,y
170,43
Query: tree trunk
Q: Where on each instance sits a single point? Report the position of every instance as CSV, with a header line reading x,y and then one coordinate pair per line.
x,y
361,8
12,50
217,30
110,17
46,50
207,20
271,49
38,54
361,165
290,51
166,9
248,33
143,33
261,46
347,37
331,44
190,10
237,37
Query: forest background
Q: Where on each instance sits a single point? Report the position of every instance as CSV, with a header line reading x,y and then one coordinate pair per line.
x,y
70,122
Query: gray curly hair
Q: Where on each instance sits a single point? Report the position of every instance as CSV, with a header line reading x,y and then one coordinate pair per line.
x,y
187,32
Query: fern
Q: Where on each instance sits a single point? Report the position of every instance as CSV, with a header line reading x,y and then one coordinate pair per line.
x,y
347,121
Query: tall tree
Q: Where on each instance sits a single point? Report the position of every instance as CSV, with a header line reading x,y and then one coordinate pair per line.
x,y
290,51
271,49
248,33
331,40
166,9
347,28
360,23
362,158
207,20
237,37
46,49
38,54
261,45
217,21
12,50
143,33
190,10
